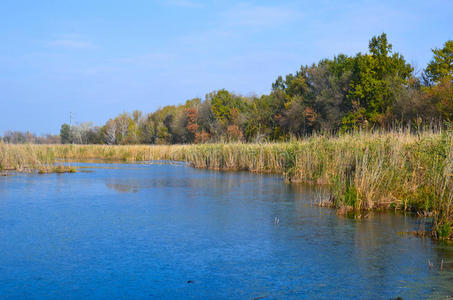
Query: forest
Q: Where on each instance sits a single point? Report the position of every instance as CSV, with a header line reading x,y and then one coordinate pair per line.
x,y
374,90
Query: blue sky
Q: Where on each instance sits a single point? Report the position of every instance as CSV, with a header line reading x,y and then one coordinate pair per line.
x,y
100,58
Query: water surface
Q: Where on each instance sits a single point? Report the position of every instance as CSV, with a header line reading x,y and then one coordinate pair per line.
x,y
171,231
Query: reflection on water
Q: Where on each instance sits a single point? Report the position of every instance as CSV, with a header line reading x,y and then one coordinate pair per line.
x,y
122,187
162,230
118,185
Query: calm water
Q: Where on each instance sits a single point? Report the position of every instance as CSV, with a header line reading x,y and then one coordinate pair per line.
x,y
169,231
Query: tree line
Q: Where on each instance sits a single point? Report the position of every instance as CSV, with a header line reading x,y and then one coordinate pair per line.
x,y
377,89
19,137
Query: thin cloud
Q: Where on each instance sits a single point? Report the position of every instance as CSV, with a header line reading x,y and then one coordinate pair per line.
x,y
71,42
260,16
239,22
147,59
182,3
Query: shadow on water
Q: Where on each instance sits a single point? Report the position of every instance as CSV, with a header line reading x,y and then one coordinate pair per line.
x,y
163,230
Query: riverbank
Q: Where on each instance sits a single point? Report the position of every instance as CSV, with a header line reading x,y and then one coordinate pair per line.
x,y
365,171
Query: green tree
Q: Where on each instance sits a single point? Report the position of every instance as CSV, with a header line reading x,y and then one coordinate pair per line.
x,y
374,77
264,114
222,102
330,84
441,66
65,134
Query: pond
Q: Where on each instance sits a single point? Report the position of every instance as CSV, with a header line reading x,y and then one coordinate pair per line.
x,y
170,231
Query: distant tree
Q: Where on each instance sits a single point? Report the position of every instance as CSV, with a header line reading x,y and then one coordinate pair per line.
x,y
14,137
264,116
162,134
292,120
191,125
94,136
330,81
442,95
234,133
441,66
111,132
179,132
222,102
75,135
168,124
413,105
371,90
123,122
65,134
147,130
205,118
18,137
137,115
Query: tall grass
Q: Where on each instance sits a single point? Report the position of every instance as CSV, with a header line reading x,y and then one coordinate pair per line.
x,y
364,171
29,158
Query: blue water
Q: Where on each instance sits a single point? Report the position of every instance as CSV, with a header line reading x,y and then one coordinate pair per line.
x,y
135,231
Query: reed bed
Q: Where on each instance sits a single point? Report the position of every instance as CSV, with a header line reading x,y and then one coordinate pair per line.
x,y
364,171
30,159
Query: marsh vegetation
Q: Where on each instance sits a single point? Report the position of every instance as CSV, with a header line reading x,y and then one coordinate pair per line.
x,y
363,171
